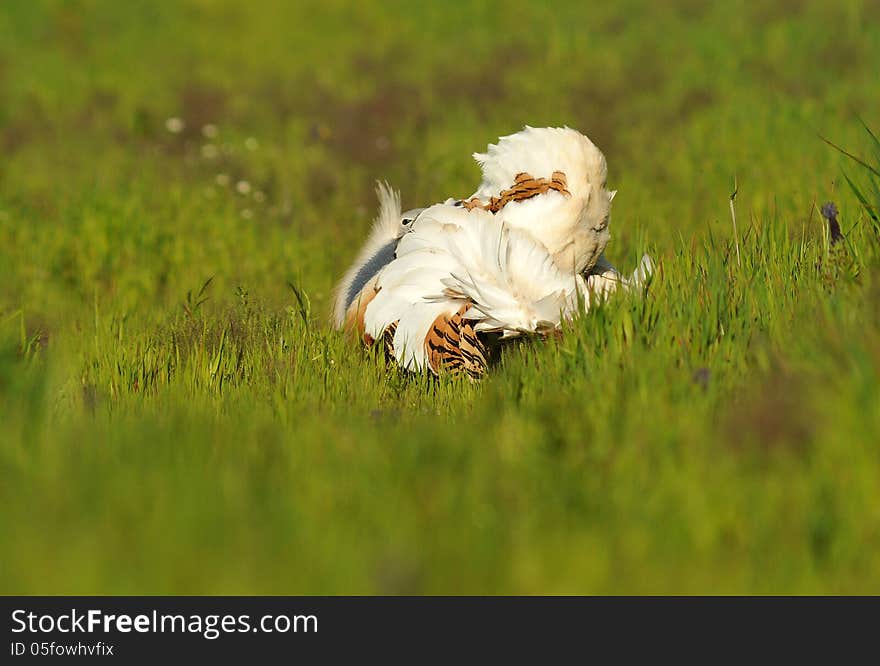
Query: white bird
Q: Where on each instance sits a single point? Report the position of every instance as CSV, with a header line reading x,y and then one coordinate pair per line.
x,y
519,256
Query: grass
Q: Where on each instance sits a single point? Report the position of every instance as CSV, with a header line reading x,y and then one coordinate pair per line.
x,y
177,417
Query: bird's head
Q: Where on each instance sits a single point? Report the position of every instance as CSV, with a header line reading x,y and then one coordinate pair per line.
x,y
587,173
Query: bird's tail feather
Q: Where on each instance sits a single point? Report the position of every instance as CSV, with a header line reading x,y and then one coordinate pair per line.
x,y
377,251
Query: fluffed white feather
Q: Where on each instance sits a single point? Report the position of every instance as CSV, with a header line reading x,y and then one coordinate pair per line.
x,y
453,257
511,280
377,251
574,228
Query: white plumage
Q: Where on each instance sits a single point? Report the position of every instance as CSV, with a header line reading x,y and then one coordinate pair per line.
x,y
508,279
519,256
573,228
390,224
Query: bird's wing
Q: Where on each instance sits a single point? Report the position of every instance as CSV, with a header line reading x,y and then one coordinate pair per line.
x,y
511,281
402,296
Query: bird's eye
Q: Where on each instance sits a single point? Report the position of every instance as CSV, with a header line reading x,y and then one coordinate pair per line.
x,y
408,221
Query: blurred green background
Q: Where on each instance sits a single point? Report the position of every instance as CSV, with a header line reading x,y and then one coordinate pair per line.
x,y
160,433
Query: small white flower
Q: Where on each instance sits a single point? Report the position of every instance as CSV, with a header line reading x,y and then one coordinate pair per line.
x,y
210,131
222,179
247,213
243,187
259,197
174,125
251,143
210,151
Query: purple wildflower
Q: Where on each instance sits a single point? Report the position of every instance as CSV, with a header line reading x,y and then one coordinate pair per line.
x,y
829,212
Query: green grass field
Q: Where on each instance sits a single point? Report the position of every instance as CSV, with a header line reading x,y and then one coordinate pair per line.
x,y
160,433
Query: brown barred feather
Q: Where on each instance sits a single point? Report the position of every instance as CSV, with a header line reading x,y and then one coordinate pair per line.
x,y
524,187
452,345
388,340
